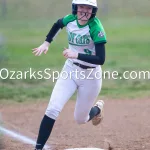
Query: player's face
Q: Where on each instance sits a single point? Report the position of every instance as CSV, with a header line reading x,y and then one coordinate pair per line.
x,y
84,12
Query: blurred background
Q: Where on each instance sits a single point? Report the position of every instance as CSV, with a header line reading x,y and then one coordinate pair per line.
x,y
1,140
24,25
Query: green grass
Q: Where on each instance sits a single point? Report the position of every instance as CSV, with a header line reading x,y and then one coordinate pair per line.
x,y
128,48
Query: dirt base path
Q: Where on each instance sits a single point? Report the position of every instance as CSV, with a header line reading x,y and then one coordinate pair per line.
x,y
126,125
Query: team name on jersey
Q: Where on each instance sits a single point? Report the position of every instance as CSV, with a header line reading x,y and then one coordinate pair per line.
x,y
78,39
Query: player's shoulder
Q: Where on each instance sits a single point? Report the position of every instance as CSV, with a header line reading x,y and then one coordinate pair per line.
x,y
95,23
97,31
68,18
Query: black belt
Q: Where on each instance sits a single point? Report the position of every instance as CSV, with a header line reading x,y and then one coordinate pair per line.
x,y
83,66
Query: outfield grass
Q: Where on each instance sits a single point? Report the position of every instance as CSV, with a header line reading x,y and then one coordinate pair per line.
x,y
127,49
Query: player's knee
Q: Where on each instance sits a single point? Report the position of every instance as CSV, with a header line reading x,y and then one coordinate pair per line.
x,y
52,113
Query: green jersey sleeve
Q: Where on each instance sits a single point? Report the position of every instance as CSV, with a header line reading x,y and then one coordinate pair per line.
x,y
68,18
97,31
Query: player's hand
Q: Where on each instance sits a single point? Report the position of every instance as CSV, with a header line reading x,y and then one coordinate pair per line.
x,y
67,53
41,49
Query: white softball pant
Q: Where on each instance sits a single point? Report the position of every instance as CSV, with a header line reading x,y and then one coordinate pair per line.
x,y
88,89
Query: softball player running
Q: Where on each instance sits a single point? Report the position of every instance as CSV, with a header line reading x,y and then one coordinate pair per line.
x,y
86,52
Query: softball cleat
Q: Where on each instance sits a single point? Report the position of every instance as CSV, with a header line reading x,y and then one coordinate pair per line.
x,y
98,118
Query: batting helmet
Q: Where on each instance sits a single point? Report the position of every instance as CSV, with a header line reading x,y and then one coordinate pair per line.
x,y
92,3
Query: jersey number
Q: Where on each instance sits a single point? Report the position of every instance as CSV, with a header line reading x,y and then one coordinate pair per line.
x,y
87,51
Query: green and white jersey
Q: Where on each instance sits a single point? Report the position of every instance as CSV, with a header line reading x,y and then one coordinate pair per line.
x,y
82,38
